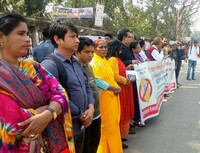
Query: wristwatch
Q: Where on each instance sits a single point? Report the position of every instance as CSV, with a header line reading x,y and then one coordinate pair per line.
x,y
53,112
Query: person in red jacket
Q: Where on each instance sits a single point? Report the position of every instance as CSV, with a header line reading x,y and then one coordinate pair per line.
x,y
154,53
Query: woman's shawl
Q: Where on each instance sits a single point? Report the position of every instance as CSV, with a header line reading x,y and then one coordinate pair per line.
x,y
34,88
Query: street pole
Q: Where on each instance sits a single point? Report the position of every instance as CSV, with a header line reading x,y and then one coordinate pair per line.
x,y
177,23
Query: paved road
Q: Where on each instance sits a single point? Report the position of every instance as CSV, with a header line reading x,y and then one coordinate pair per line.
x,y
177,128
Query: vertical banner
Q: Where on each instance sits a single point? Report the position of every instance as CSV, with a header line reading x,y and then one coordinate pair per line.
x,y
153,80
171,80
99,15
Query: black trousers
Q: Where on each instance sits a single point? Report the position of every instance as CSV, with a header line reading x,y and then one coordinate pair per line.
x,y
92,136
136,103
79,141
177,71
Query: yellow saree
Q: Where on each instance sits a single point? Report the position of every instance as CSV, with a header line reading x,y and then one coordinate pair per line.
x,y
110,141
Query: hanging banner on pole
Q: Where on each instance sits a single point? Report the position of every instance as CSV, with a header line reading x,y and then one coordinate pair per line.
x,y
63,12
99,15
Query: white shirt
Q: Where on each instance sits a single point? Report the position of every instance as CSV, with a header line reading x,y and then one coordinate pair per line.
x,y
143,55
156,55
193,53
147,45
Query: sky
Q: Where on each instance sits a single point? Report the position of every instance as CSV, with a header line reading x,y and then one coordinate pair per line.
x,y
196,26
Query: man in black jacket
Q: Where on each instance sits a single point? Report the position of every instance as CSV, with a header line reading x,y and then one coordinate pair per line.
x,y
126,37
176,55
127,57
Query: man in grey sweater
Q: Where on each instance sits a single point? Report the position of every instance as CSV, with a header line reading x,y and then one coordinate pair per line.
x,y
92,133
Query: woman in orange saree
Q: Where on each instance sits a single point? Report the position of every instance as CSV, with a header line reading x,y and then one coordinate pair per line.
x,y
110,141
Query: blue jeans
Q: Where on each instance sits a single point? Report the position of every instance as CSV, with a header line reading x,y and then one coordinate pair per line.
x,y
191,65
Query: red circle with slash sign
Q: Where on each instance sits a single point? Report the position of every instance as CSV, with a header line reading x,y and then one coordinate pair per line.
x,y
145,90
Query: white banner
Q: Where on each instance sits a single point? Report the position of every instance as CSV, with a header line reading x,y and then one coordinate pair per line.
x,y
154,78
99,15
64,12
170,83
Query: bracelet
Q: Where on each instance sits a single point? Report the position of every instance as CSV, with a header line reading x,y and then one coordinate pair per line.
x,y
53,112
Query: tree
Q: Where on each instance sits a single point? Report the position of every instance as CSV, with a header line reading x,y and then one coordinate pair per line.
x,y
11,5
149,18
172,18
184,12
196,36
25,7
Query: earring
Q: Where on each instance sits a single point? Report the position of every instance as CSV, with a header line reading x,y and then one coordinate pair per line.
x,y
1,45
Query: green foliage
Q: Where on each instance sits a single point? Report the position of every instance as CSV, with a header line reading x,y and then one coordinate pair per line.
x,y
196,36
11,5
33,7
24,7
154,18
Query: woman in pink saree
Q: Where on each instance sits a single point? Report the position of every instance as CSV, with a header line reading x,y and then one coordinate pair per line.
x,y
34,112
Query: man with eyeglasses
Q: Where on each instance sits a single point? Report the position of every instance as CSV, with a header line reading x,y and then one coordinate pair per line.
x,y
127,57
126,37
154,53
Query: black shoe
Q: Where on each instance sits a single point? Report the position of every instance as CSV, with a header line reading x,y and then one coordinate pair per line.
x,y
132,126
193,79
166,95
139,124
124,139
124,146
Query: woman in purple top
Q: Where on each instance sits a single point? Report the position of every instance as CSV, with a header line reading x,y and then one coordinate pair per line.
x,y
136,49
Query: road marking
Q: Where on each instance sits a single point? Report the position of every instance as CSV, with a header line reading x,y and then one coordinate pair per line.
x,y
193,87
194,145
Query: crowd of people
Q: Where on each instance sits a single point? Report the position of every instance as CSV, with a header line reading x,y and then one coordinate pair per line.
x,y
74,96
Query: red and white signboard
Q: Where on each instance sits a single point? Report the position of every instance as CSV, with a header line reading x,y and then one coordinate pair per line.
x,y
153,80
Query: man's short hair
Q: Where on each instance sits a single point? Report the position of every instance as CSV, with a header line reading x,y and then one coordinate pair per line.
x,y
84,41
141,42
60,29
174,44
45,33
108,35
156,41
122,33
195,42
